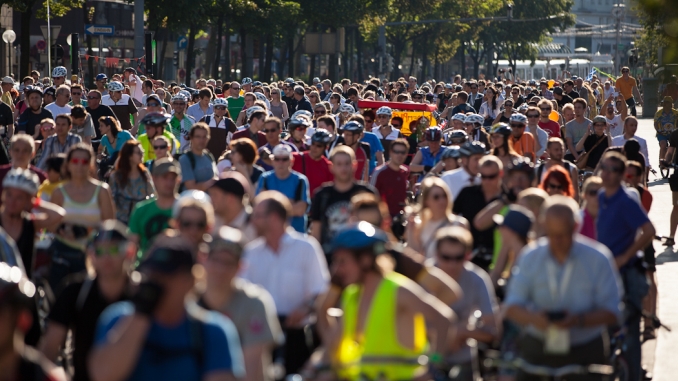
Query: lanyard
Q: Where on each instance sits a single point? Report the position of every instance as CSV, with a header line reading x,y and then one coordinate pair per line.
x,y
564,282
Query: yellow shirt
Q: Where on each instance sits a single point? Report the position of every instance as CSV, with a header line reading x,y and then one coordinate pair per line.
x,y
45,190
625,86
7,99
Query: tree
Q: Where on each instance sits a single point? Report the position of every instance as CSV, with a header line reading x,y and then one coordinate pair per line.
x,y
659,19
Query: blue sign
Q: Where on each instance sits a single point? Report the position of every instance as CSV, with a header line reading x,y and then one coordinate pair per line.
x,y
99,30
182,42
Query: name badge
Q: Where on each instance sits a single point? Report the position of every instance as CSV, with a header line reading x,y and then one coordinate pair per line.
x,y
557,341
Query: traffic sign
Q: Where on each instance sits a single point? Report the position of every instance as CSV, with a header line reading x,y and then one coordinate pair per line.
x,y
100,30
182,73
41,45
182,42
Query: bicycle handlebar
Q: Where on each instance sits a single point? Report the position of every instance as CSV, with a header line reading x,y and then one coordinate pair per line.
x,y
545,371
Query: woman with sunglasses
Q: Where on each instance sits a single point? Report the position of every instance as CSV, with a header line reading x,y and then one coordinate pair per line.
x,y
589,207
433,213
279,106
297,133
557,182
505,116
87,202
130,181
501,148
335,102
314,98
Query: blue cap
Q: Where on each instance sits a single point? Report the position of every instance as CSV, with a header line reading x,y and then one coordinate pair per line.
x,y
360,236
101,76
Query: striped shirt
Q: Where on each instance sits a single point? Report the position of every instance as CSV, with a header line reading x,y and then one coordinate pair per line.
x,y
53,147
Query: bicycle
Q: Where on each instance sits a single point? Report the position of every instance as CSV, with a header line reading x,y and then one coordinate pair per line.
x,y
551,373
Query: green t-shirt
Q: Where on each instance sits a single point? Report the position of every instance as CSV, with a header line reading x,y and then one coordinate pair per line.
x,y
235,105
147,221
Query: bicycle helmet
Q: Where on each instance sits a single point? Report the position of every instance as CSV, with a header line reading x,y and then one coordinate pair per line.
x,y
518,118
522,164
433,134
384,110
22,179
456,137
111,231
155,119
459,116
220,102
353,126
246,81
360,236
501,129
451,152
179,97
472,148
302,113
321,135
101,76
252,110
59,71
256,83
262,97
34,89
186,93
345,107
115,86
298,121
15,289
474,118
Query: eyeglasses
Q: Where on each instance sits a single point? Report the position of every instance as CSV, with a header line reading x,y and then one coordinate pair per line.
x,y
451,257
399,152
282,159
76,94
625,71
320,112
516,125
91,97
312,96
77,161
610,168
545,108
554,186
271,130
220,108
532,115
62,77
195,224
160,147
489,177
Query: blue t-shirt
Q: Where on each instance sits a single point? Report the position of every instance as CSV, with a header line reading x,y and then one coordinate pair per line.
x,y
375,146
221,346
295,187
619,219
203,170
120,139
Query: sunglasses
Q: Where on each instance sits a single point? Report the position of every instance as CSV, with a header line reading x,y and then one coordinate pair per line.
x,y
76,94
382,116
153,104
554,186
320,112
112,251
179,104
514,92
369,121
271,130
532,115
592,192
47,128
91,97
235,88
489,177
514,125
195,224
220,108
77,161
508,104
318,145
399,152
282,159
545,108
451,258
160,147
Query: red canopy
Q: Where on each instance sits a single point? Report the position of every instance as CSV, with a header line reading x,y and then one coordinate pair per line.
x,y
397,105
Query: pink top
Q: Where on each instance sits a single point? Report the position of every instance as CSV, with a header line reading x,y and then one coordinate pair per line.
x,y
588,225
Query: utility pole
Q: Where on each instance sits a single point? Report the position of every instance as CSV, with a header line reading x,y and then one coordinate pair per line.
x,y
618,13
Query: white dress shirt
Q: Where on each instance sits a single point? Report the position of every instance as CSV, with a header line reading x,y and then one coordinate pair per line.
x,y
293,275
457,179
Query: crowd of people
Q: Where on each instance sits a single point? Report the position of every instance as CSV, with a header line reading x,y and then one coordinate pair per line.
x,y
252,230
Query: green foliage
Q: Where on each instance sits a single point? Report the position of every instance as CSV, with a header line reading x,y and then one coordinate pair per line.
x,y
659,20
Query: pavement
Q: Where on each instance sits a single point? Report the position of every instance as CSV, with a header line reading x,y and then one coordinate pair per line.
x,y
658,355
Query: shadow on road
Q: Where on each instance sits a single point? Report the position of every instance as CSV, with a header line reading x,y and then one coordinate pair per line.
x,y
656,182
668,255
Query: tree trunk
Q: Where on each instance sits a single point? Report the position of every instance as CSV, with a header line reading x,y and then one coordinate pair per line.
x,y
311,69
262,55
190,54
398,47
269,59
226,72
163,51
25,41
90,53
412,59
210,51
217,55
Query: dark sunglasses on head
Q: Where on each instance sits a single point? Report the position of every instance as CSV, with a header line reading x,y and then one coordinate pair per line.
x,y
545,108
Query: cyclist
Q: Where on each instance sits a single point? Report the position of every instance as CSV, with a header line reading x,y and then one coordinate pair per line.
x,y
566,321
467,174
158,335
100,82
474,128
83,300
391,179
352,132
385,132
59,76
312,163
395,304
665,122
429,156
155,125
122,105
523,142
221,127
180,123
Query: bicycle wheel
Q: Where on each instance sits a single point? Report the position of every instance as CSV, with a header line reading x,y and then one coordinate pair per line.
x,y
621,369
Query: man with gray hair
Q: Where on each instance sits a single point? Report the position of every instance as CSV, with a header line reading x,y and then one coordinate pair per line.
x,y
302,102
60,104
566,322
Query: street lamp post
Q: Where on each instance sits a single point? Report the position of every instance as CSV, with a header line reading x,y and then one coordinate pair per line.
x,y
9,37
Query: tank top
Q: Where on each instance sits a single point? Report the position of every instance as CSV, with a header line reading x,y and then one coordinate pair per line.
x,y
85,214
277,111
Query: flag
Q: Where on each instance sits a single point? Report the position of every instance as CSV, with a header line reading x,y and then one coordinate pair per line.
x,y
590,76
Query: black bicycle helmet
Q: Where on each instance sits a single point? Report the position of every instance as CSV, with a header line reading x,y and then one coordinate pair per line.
x,y
456,137
451,152
501,129
353,126
524,165
34,89
298,121
472,148
321,135
155,119
433,134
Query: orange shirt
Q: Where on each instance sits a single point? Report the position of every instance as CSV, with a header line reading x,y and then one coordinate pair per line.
x,y
525,145
625,86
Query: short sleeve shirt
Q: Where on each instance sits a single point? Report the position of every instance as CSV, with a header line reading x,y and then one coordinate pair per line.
x,y
120,140
295,187
202,170
392,186
551,127
147,221
575,130
625,86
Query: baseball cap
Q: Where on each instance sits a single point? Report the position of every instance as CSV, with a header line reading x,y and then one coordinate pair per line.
x,y
232,185
101,76
8,79
166,165
558,90
131,70
169,255
154,97
50,90
519,219
282,150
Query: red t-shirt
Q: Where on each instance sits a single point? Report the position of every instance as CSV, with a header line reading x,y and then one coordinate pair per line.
x,y
317,171
551,127
392,186
361,158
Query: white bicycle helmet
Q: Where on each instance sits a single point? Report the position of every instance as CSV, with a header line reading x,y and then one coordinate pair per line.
x,y
384,110
304,113
179,97
22,179
59,71
346,108
115,86
246,81
186,93
459,116
252,110
262,97
474,118
220,102
518,118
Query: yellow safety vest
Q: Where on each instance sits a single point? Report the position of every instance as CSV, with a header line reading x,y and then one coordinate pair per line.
x,y
379,338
